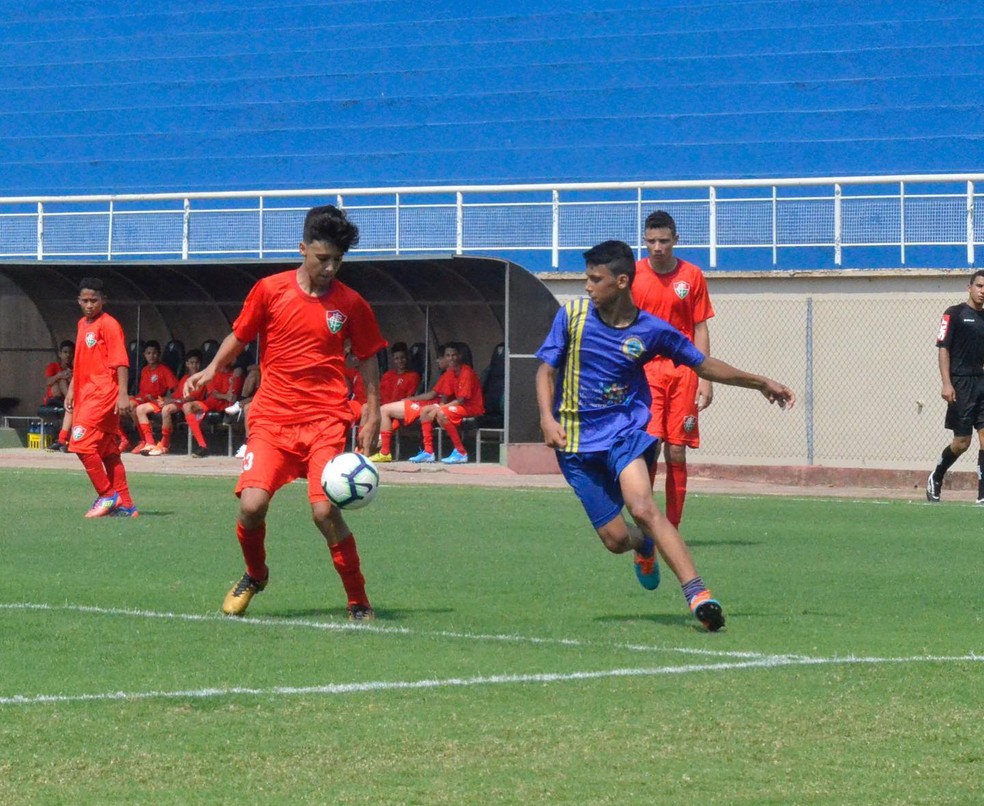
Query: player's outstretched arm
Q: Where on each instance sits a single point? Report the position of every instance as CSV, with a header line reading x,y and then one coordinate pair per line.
x,y
716,370
546,381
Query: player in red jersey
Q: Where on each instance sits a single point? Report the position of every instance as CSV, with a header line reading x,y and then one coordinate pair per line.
x,y
157,382
300,415
175,403
459,391
97,397
396,385
57,376
220,393
675,291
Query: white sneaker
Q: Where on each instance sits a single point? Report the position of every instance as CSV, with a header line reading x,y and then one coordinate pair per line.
x,y
235,408
241,453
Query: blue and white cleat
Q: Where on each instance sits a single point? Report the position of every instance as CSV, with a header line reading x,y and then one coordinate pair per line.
x,y
422,458
455,458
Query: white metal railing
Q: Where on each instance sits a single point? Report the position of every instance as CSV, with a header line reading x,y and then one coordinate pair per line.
x,y
756,223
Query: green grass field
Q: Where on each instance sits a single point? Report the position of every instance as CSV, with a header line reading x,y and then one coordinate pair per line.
x,y
513,659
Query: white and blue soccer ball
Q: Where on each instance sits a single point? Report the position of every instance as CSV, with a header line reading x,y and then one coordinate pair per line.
x,y
350,481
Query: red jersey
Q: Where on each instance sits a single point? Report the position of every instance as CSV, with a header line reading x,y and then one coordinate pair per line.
x,y
465,386
303,358
395,386
181,397
155,382
679,297
49,372
100,348
224,382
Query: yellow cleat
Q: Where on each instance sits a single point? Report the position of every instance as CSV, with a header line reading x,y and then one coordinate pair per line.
x,y
238,598
381,458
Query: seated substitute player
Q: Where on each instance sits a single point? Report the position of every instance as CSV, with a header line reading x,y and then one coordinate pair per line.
x,y
173,405
459,392
57,376
156,382
593,398
96,397
300,416
220,392
396,385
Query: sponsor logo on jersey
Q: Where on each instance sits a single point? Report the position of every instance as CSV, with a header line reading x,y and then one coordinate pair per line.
x,y
944,327
90,340
632,347
614,393
689,423
335,319
682,288
78,431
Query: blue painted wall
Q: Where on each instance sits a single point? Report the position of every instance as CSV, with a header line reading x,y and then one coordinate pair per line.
x,y
142,96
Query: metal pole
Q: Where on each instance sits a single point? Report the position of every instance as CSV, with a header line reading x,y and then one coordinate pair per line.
x,y
109,244
970,223
808,384
838,224
775,226
185,229
396,237
902,222
712,226
40,252
260,229
555,229
459,224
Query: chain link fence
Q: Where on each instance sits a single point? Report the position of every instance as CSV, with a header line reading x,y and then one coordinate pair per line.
x,y
864,368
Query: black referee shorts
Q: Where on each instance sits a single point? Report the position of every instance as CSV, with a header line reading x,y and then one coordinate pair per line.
x,y
967,414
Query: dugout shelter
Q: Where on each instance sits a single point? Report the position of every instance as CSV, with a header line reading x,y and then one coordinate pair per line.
x,y
481,301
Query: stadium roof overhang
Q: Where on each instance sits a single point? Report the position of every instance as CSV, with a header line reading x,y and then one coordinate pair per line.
x,y
434,299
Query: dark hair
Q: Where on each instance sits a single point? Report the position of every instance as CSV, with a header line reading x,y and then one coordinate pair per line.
x,y
331,225
151,343
194,354
616,255
91,283
975,275
399,347
66,343
661,220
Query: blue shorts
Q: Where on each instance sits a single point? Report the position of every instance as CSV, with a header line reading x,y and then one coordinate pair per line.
x,y
594,474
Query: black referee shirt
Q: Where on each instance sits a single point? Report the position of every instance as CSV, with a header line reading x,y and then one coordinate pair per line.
x,y
962,333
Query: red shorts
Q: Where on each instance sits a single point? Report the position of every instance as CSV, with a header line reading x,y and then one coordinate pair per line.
x,y
85,439
674,406
455,414
412,409
214,404
278,454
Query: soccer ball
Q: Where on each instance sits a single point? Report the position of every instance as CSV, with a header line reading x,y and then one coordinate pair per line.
x,y
350,481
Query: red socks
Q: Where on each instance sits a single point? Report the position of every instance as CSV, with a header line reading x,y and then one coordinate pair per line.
x,y
251,541
676,492
345,557
427,432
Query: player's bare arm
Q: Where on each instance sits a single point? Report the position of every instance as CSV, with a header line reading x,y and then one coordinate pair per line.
x,y
948,393
705,389
716,370
371,417
123,380
228,352
546,381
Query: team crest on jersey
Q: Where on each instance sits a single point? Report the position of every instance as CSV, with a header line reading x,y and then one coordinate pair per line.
x,y
336,319
78,431
90,340
632,347
682,288
689,423
614,393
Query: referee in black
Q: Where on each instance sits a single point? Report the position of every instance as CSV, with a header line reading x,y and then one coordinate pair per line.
x,y
961,348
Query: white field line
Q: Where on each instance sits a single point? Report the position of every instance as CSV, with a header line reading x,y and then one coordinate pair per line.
x,y
335,689
374,628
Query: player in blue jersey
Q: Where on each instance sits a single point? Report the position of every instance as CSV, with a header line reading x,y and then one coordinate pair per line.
x,y
594,406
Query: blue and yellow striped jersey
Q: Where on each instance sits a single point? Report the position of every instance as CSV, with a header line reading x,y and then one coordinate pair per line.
x,y
601,385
